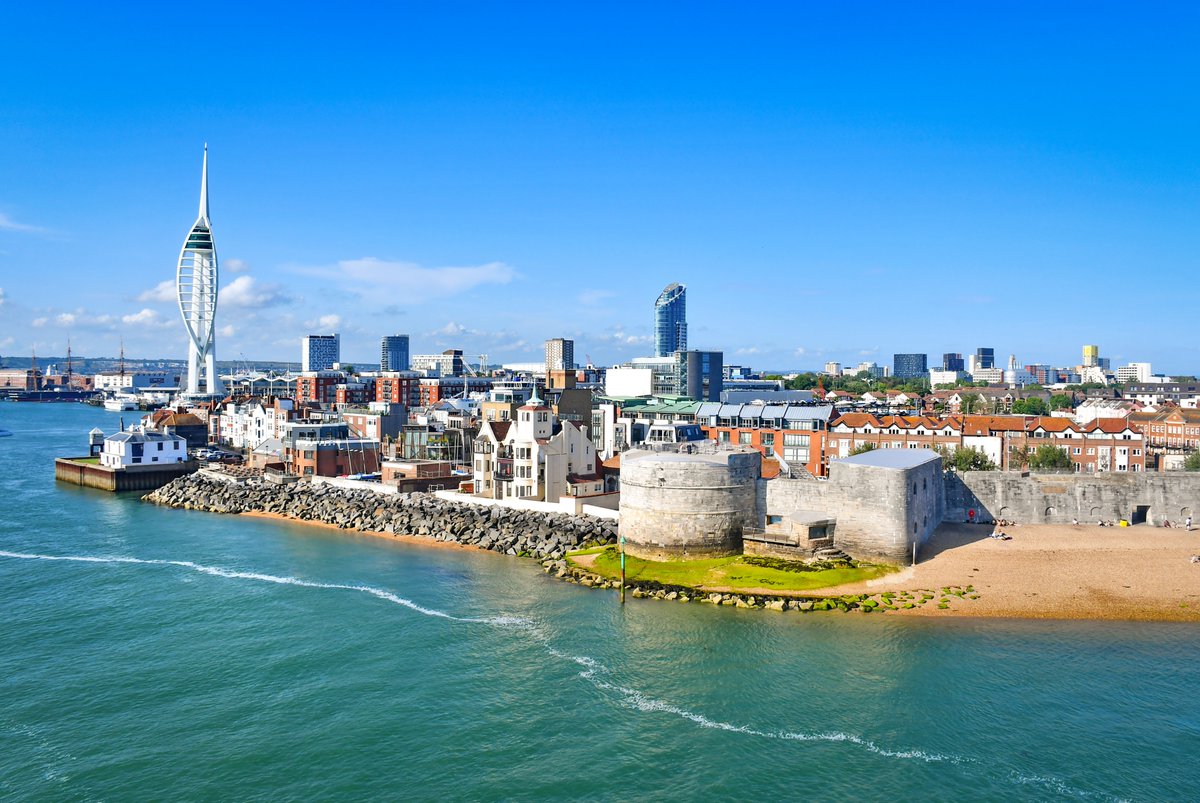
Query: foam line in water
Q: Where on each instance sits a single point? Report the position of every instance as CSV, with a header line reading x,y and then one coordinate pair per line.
x,y
216,571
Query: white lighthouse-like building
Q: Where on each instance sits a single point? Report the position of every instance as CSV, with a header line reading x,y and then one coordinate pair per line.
x,y
196,283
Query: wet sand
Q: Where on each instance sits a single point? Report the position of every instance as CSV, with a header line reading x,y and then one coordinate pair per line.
x,y
1056,572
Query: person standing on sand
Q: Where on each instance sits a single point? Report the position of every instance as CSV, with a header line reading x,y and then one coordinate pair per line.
x,y
1187,523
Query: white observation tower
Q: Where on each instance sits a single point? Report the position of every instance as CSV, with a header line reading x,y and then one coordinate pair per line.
x,y
196,283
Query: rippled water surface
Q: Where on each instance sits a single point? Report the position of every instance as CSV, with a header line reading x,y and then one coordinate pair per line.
x,y
161,654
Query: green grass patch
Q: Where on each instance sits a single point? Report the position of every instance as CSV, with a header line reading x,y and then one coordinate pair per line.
x,y
735,573
90,461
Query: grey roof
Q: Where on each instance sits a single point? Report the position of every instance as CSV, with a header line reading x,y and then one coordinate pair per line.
x,y
892,458
792,412
138,436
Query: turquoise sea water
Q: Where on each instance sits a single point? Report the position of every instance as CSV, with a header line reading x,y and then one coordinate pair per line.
x,y
152,654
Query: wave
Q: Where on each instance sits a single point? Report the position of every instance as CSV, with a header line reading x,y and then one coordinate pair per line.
x,y
217,571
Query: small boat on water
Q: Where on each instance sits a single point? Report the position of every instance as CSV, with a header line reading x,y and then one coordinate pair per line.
x,y
4,433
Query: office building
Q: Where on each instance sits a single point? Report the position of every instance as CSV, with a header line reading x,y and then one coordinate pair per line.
x,y
670,321
985,358
952,361
1091,356
909,366
394,353
320,352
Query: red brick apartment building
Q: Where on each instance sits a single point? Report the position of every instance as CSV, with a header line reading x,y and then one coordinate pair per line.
x,y
1106,444
1172,429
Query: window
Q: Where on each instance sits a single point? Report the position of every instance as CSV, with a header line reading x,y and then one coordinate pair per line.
x,y
1076,450
768,439
795,439
723,436
746,438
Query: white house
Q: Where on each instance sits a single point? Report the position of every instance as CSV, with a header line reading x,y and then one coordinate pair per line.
x,y
535,457
138,447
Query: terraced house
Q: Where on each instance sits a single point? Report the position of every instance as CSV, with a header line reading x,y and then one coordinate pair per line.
x,y
1105,444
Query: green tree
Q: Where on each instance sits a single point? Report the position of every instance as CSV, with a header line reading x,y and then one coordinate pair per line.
x,y
1061,401
1031,406
1047,456
1192,462
970,403
863,448
965,459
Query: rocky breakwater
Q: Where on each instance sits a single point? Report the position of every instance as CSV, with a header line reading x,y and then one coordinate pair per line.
x,y
545,536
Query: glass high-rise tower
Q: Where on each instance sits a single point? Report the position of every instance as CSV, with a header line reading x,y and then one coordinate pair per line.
x,y
670,321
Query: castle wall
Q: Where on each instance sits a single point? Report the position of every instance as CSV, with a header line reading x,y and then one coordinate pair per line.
x,y
1059,498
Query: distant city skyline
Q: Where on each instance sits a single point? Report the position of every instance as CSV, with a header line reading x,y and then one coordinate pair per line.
x,y
826,189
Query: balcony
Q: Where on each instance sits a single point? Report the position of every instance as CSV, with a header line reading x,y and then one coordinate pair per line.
x,y
504,469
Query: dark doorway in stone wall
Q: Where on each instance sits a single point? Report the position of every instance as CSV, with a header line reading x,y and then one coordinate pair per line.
x,y
1140,514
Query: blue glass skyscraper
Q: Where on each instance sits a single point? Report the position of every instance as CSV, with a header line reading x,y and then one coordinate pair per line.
x,y
670,321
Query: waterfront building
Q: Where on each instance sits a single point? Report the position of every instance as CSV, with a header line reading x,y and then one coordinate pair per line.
x,y
670,320
393,354
909,366
196,282
139,447
320,352
135,380
20,379
536,457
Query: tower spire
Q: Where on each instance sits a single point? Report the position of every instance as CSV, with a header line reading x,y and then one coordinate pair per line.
x,y
204,185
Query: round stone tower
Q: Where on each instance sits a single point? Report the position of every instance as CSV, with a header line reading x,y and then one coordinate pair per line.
x,y
678,506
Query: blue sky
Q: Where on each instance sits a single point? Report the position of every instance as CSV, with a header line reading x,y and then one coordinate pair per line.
x,y
837,181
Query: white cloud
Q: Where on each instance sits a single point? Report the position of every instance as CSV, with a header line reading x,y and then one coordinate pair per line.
x,y
8,224
245,292
329,322
755,350
6,342
235,265
163,291
1,296
38,323
65,319
451,329
147,317
799,352
412,283
226,331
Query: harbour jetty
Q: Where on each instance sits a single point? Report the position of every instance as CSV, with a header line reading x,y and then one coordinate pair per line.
x,y
546,536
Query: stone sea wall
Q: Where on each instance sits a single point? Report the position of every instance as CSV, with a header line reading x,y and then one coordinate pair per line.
x,y
545,536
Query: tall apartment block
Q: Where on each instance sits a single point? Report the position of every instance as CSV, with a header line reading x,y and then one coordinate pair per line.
x,y
393,354
320,352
